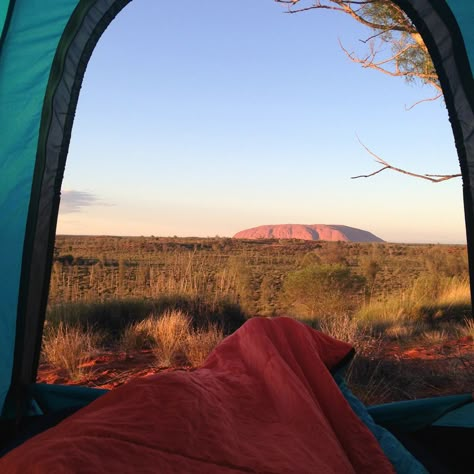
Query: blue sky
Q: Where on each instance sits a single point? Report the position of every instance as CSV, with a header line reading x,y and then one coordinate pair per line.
x,y
206,118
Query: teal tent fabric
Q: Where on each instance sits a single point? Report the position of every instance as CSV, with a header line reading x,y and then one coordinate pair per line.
x,y
413,415
44,49
34,74
3,14
462,417
464,12
25,64
50,398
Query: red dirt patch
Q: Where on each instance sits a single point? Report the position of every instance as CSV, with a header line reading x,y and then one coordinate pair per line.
x,y
463,347
107,370
413,371
428,370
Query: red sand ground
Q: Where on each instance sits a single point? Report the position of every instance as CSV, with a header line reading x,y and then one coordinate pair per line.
x,y
463,347
439,361
108,370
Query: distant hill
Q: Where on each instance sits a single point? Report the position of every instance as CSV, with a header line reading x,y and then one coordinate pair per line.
x,y
308,232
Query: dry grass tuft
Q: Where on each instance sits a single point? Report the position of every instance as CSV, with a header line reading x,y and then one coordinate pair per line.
x,y
398,331
342,327
455,291
468,328
199,344
136,337
365,379
169,333
69,348
171,338
346,328
435,336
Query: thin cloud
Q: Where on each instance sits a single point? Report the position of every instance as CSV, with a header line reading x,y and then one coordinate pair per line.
x,y
76,201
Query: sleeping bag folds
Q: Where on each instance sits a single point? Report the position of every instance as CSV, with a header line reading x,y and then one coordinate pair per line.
x,y
264,401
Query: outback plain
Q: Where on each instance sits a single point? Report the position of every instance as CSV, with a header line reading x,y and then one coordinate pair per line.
x,y
121,307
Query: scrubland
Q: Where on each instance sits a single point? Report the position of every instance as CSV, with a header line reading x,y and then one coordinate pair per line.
x,y
405,308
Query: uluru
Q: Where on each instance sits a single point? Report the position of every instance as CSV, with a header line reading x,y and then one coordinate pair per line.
x,y
326,232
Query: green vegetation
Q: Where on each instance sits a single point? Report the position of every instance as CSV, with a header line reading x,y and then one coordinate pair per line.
x,y
322,291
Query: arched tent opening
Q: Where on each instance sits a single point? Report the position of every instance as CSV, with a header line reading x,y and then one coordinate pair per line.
x,y
35,150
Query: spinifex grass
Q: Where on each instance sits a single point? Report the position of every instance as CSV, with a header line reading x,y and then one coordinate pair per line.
x,y
200,343
169,332
69,348
123,286
172,338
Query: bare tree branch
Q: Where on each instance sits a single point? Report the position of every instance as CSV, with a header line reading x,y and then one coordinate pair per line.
x,y
374,36
371,174
429,99
346,7
434,178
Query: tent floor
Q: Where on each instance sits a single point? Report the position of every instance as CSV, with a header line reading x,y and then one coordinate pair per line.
x,y
12,436
442,450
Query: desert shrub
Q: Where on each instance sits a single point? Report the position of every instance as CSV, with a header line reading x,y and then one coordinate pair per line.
x,y
114,316
446,264
429,298
110,316
449,299
321,290
334,253
68,348
455,291
200,343
370,268
203,311
427,287
310,258
397,311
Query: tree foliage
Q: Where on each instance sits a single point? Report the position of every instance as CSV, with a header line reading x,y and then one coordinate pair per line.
x,y
393,47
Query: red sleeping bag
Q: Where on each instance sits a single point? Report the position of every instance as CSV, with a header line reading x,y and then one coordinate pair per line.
x,y
264,401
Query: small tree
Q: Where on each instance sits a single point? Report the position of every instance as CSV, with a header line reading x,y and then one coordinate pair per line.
x,y
406,56
393,46
321,290
370,268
